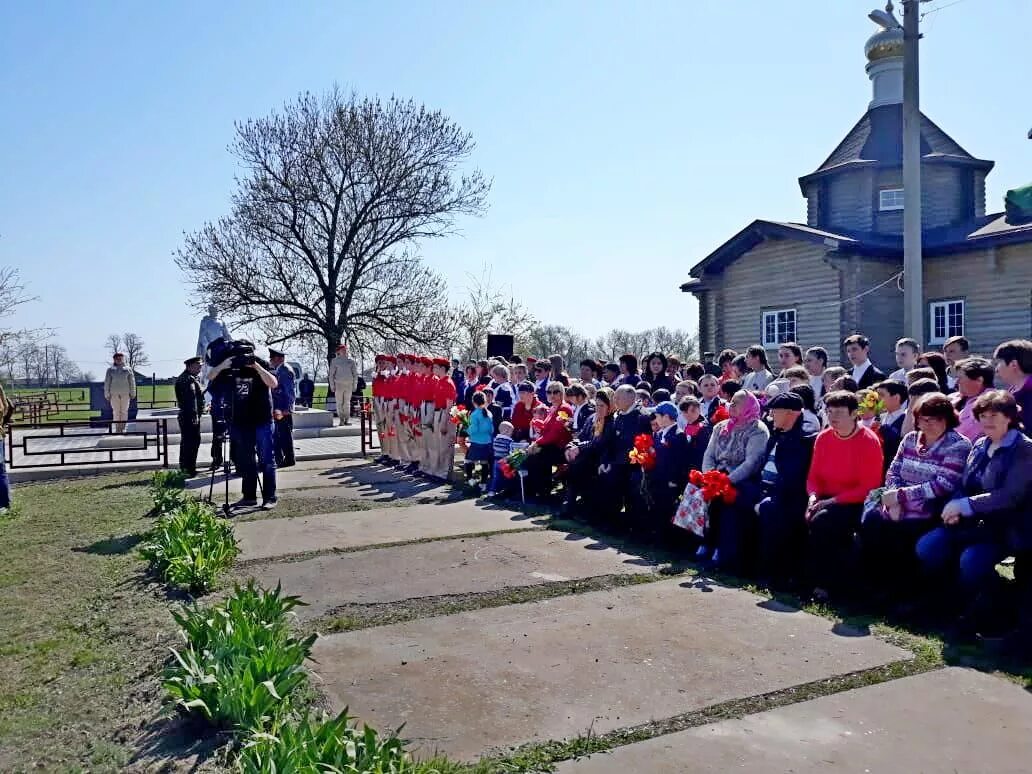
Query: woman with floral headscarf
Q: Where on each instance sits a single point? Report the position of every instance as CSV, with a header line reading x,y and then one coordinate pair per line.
x,y
737,447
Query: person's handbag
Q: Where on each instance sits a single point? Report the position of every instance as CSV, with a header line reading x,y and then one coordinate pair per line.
x,y
692,513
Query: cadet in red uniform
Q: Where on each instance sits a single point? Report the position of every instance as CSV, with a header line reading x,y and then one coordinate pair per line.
x,y
379,415
404,415
390,390
444,429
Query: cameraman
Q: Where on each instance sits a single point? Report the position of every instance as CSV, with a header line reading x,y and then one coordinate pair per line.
x,y
251,426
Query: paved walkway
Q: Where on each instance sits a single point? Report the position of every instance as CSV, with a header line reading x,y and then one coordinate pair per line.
x,y
480,629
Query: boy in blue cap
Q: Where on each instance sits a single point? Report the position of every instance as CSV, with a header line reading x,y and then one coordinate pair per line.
x,y
666,480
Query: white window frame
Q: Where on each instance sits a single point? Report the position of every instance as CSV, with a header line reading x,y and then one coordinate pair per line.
x,y
777,342
944,307
895,205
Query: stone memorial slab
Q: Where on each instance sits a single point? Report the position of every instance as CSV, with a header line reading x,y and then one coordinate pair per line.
x,y
466,683
950,720
459,566
268,538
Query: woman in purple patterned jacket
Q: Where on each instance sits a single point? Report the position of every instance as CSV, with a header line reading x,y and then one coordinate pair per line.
x,y
925,473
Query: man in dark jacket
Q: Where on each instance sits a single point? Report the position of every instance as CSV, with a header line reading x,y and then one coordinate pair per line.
x,y
782,511
305,391
864,373
614,464
1014,367
190,400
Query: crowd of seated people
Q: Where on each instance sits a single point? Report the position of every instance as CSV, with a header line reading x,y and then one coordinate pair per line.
x,y
907,488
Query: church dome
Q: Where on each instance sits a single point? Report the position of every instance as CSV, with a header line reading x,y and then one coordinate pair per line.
x,y
884,44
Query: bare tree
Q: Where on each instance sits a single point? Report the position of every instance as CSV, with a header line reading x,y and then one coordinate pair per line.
x,y
135,355
113,343
545,340
668,341
487,309
324,224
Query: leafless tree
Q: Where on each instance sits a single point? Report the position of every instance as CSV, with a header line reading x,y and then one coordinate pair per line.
x,y
324,225
546,340
113,343
135,355
487,309
668,341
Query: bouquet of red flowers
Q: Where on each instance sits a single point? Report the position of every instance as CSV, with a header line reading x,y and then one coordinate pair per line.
x,y
715,485
644,452
459,417
720,415
512,463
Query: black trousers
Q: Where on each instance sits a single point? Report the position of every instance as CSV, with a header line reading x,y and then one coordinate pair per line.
x,y
738,529
219,430
189,443
284,441
887,549
781,541
539,469
831,553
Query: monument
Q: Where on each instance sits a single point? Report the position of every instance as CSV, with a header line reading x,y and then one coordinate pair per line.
x,y
211,328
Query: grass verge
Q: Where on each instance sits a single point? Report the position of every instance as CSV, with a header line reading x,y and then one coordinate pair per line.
x,y
364,616
84,637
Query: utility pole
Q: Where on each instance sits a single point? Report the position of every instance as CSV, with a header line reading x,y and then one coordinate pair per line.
x,y
913,270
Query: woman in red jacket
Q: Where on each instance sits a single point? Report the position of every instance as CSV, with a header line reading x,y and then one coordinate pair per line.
x,y
847,465
547,451
523,411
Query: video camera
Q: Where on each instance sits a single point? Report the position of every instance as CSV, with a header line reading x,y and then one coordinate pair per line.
x,y
239,352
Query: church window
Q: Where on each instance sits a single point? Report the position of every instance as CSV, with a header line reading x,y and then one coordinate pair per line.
x,y
947,320
890,199
779,326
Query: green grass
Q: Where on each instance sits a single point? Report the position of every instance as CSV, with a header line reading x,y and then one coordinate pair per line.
x,y
83,639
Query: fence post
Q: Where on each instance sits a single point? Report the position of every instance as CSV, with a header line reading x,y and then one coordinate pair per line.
x,y
164,442
361,430
153,388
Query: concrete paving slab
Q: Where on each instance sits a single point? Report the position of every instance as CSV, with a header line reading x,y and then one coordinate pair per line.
x,y
386,493
470,682
359,479
459,566
268,538
951,720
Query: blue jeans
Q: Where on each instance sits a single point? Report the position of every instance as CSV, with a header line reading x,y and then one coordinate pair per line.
x,y
247,442
5,484
972,557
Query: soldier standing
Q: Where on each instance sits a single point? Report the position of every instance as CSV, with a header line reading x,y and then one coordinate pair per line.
x,y
190,400
343,377
283,409
119,390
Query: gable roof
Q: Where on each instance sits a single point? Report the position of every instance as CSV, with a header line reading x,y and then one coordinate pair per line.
x,y
759,230
982,233
877,139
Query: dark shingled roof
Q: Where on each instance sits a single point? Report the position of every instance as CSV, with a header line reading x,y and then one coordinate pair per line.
x,y
877,139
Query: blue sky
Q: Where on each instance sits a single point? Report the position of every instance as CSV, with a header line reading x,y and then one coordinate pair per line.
x,y
626,141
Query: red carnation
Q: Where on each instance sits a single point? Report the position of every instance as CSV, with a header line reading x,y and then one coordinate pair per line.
x,y
720,415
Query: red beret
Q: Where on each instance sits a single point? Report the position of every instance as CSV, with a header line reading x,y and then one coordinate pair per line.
x,y
531,360
426,361
441,361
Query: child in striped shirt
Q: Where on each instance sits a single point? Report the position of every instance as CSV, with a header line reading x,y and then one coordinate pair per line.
x,y
501,445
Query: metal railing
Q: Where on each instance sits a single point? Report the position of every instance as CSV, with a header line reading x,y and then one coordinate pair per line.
x,y
38,444
49,409
366,423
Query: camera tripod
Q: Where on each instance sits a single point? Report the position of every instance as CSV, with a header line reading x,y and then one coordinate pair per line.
x,y
226,462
